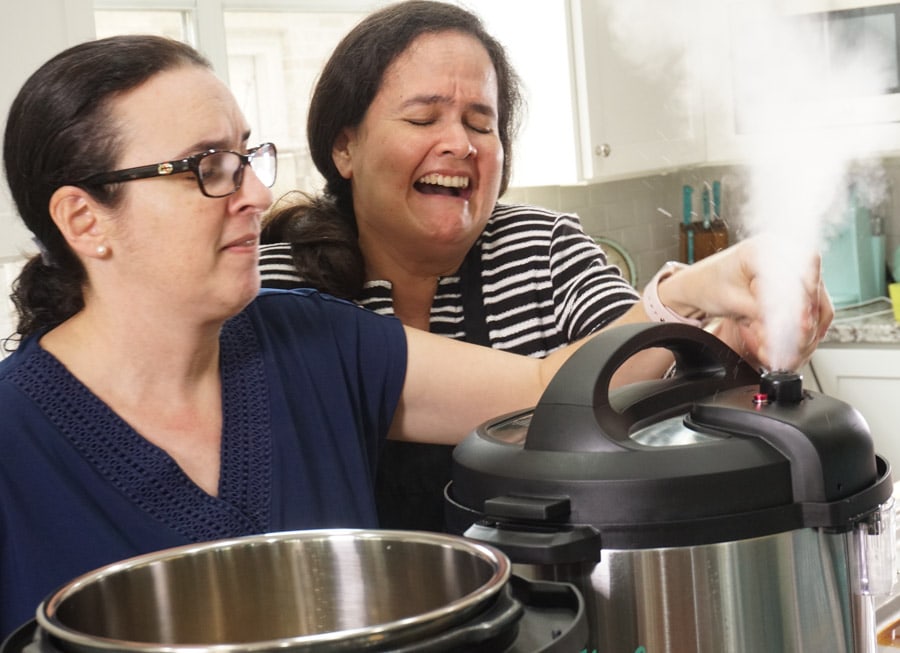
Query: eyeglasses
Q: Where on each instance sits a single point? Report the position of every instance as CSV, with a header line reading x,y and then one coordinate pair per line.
x,y
219,173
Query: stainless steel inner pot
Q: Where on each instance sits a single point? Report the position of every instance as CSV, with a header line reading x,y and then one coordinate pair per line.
x,y
329,590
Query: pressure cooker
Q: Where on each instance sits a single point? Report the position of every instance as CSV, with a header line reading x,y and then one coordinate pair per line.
x,y
314,591
719,509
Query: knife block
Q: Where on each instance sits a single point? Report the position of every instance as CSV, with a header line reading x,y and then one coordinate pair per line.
x,y
706,240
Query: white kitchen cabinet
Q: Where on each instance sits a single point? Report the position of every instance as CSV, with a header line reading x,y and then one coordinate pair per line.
x,y
640,110
731,82
537,42
779,70
868,378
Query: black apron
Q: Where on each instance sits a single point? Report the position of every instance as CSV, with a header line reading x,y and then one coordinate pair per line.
x,y
409,485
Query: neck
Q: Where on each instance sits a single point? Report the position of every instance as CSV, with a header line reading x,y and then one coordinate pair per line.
x,y
165,385
143,359
413,276
412,297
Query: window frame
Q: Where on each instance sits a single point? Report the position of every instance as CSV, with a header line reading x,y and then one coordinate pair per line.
x,y
207,17
562,116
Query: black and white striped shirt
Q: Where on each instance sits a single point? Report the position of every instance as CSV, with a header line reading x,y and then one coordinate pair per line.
x,y
545,283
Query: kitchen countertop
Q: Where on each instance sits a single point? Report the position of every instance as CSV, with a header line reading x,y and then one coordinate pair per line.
x,y
871,323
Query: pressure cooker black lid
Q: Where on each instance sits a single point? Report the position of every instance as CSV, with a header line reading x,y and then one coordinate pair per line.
x,y
715,453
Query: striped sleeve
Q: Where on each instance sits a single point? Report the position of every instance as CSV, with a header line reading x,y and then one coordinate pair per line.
x,y
543,274
589,293
276,267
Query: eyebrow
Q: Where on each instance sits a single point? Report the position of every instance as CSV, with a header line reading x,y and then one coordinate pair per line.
x,y
204,146
478,107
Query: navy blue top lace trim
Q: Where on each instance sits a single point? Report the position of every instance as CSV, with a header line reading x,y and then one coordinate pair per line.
x,y
146,474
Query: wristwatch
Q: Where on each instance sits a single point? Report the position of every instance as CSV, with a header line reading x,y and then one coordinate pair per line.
x,y
654,308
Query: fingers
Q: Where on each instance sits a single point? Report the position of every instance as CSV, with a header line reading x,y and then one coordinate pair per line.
x,y
724,284
752,339
790,340
826,310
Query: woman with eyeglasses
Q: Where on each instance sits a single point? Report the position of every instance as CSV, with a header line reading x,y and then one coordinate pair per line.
x,y
154,397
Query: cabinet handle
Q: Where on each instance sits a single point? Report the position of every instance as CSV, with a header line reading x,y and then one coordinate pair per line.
x,y
603,150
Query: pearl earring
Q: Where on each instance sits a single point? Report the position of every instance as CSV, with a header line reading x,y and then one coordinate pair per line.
x,y
102,250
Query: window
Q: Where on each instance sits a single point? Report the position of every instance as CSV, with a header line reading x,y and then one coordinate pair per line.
x,y
172,23
270,52
273,62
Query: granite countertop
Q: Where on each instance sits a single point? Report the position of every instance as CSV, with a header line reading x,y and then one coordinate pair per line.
x,y
871,323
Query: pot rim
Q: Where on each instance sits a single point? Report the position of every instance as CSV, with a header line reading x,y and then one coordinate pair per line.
x,y
47,620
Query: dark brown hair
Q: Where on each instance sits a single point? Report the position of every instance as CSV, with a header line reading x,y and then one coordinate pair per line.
x,y
59,130
347,86
325,251
353,75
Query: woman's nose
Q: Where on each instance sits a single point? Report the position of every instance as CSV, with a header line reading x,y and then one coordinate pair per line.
x,y
254,191
457,143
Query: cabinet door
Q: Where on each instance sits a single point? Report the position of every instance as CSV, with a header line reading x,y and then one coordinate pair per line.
x,y
640,110
869,380
819,72
536,35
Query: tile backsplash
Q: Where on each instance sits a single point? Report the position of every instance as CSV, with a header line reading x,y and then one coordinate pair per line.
x,y
642,214
633,212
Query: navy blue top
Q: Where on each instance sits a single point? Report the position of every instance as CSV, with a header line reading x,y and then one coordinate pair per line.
x,y
309,388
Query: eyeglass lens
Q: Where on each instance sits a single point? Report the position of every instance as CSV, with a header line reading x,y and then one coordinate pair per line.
x,y
221,173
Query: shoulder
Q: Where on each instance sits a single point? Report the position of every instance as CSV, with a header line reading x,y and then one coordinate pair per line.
x,y
515,212
23,353
517,226
308,337
316,314
514,218
305,301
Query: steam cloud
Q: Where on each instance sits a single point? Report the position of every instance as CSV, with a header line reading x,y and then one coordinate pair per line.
x,y
797,91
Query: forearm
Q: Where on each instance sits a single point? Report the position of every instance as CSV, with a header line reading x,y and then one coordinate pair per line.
x,y
451,387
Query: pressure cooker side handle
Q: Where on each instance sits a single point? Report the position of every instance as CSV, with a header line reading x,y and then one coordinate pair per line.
x,y
575,412
536,544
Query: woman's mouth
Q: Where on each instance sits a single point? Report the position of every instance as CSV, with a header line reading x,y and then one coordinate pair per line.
x,y
247,242
450,185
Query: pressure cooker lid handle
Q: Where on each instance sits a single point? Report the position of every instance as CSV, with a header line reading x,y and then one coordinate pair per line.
x,y
577,412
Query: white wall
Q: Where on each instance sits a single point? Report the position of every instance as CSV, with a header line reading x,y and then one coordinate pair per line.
x,y
30,33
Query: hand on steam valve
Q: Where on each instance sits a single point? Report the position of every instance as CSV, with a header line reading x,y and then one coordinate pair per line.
x,y
773,308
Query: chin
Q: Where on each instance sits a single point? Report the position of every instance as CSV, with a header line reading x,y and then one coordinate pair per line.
x,y
245,293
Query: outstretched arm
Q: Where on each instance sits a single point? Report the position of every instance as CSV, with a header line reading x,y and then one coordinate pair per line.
x,y
452,386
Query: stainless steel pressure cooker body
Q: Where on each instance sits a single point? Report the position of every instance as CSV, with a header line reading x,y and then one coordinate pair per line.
x,y
327,590
717,510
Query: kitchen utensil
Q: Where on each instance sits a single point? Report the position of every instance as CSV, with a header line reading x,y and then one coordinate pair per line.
x,y
687,204
718,510
717,200
707,216
687,224
329,590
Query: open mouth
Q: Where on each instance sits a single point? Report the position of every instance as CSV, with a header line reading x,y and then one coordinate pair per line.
x,y
452,186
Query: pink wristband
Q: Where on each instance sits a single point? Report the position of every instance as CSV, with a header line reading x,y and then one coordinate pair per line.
x,y
654,308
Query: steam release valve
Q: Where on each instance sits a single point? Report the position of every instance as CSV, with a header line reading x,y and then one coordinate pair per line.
x,y
782,386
